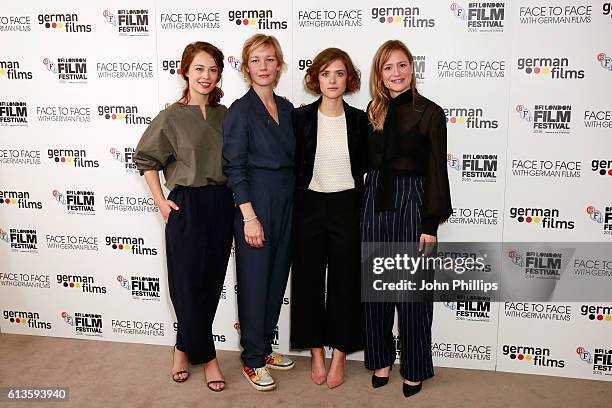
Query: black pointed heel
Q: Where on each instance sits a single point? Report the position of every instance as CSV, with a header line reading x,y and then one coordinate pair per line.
x,y
378,382
410,390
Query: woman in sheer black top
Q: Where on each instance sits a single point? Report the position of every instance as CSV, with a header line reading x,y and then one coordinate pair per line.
x,y
407,196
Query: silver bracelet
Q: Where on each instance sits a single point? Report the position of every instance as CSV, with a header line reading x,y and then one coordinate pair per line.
x,y
250,219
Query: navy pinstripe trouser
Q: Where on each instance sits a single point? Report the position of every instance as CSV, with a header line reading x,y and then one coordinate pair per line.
x,y
414,318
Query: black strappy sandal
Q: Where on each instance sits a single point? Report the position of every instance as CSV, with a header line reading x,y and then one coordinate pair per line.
x,y
216,382
178,380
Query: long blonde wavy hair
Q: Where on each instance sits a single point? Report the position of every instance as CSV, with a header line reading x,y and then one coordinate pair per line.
x,y
380,94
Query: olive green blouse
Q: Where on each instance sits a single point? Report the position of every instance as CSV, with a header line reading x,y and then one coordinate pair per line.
x,y
184,145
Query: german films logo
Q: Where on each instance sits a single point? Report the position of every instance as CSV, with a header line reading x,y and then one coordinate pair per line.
x,y
12,70
18,199
603,217
562,14
197,20
538,311
471,310
130,204
259,19
72,158
546,218
68,70
124,156
550,119
66,22
600,359
589,268
20,239
598,118
81,202
597,313
172,67
472,68
129,245
138,328
563,169
480,17
475,216
318,18
125,70
128,23
63,113
20,157
475,167
607,9
30,320
80,283
532,356
72,242
552,68
602,167
470,118
141,287
538,265
13,113
15,23
85,324
25,280
406,17
459,351
605,61
127,115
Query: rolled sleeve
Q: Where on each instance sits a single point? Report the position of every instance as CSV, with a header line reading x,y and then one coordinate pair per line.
x,y
235,153
154,150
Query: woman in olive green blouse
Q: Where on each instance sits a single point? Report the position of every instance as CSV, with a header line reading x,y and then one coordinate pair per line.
x,y
185,142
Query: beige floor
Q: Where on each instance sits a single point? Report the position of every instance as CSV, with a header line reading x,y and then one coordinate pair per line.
x,y
105,374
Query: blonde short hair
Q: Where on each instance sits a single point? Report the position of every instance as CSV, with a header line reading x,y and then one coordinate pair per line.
x,y
256,41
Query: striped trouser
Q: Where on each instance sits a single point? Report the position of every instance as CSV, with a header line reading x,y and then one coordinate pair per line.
x,y
414,318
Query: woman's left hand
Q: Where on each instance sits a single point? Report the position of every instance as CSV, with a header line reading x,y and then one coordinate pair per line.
x,y
426,243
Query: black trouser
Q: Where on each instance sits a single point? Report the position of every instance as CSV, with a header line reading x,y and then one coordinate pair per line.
x,y
198,245
326,236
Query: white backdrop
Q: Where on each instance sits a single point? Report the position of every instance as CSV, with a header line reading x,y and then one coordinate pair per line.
x,y
525,85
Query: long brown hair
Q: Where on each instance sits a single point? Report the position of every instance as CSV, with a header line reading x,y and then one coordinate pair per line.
x,y
380,94
188,54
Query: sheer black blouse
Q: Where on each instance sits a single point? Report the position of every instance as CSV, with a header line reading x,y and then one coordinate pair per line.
x,y
413,143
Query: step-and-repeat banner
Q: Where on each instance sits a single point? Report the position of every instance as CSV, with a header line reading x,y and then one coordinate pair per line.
x,y
525,86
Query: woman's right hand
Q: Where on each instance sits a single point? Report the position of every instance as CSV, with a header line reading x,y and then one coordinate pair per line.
x,y
254,233
165,207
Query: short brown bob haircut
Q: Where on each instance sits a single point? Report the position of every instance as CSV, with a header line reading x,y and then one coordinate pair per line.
x,y
322,61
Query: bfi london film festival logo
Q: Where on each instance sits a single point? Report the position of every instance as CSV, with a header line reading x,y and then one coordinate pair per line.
x,y
125,70
141,287
129,245
600,360
545,218
72,243
455,351
131,204
128,115
475,167
30,320
470,118
562,14
471,310
562,169
480,17
605,61
25,280
546,265
589,268
18,199
73,114
72,158
129,23
20,239
552,68
475,216
472,69
601,217
20,157
549,119
198,20
596,313
532,356
12,70
538,311
258,19
13,113
138,328
406,17
124,156
340,18
79,202
15,23
68,22
85,324
81,283
68,70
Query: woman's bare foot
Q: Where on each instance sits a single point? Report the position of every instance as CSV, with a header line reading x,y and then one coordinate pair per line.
x,y
382,372
318,372
213,376
413,383
335,377
180,362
